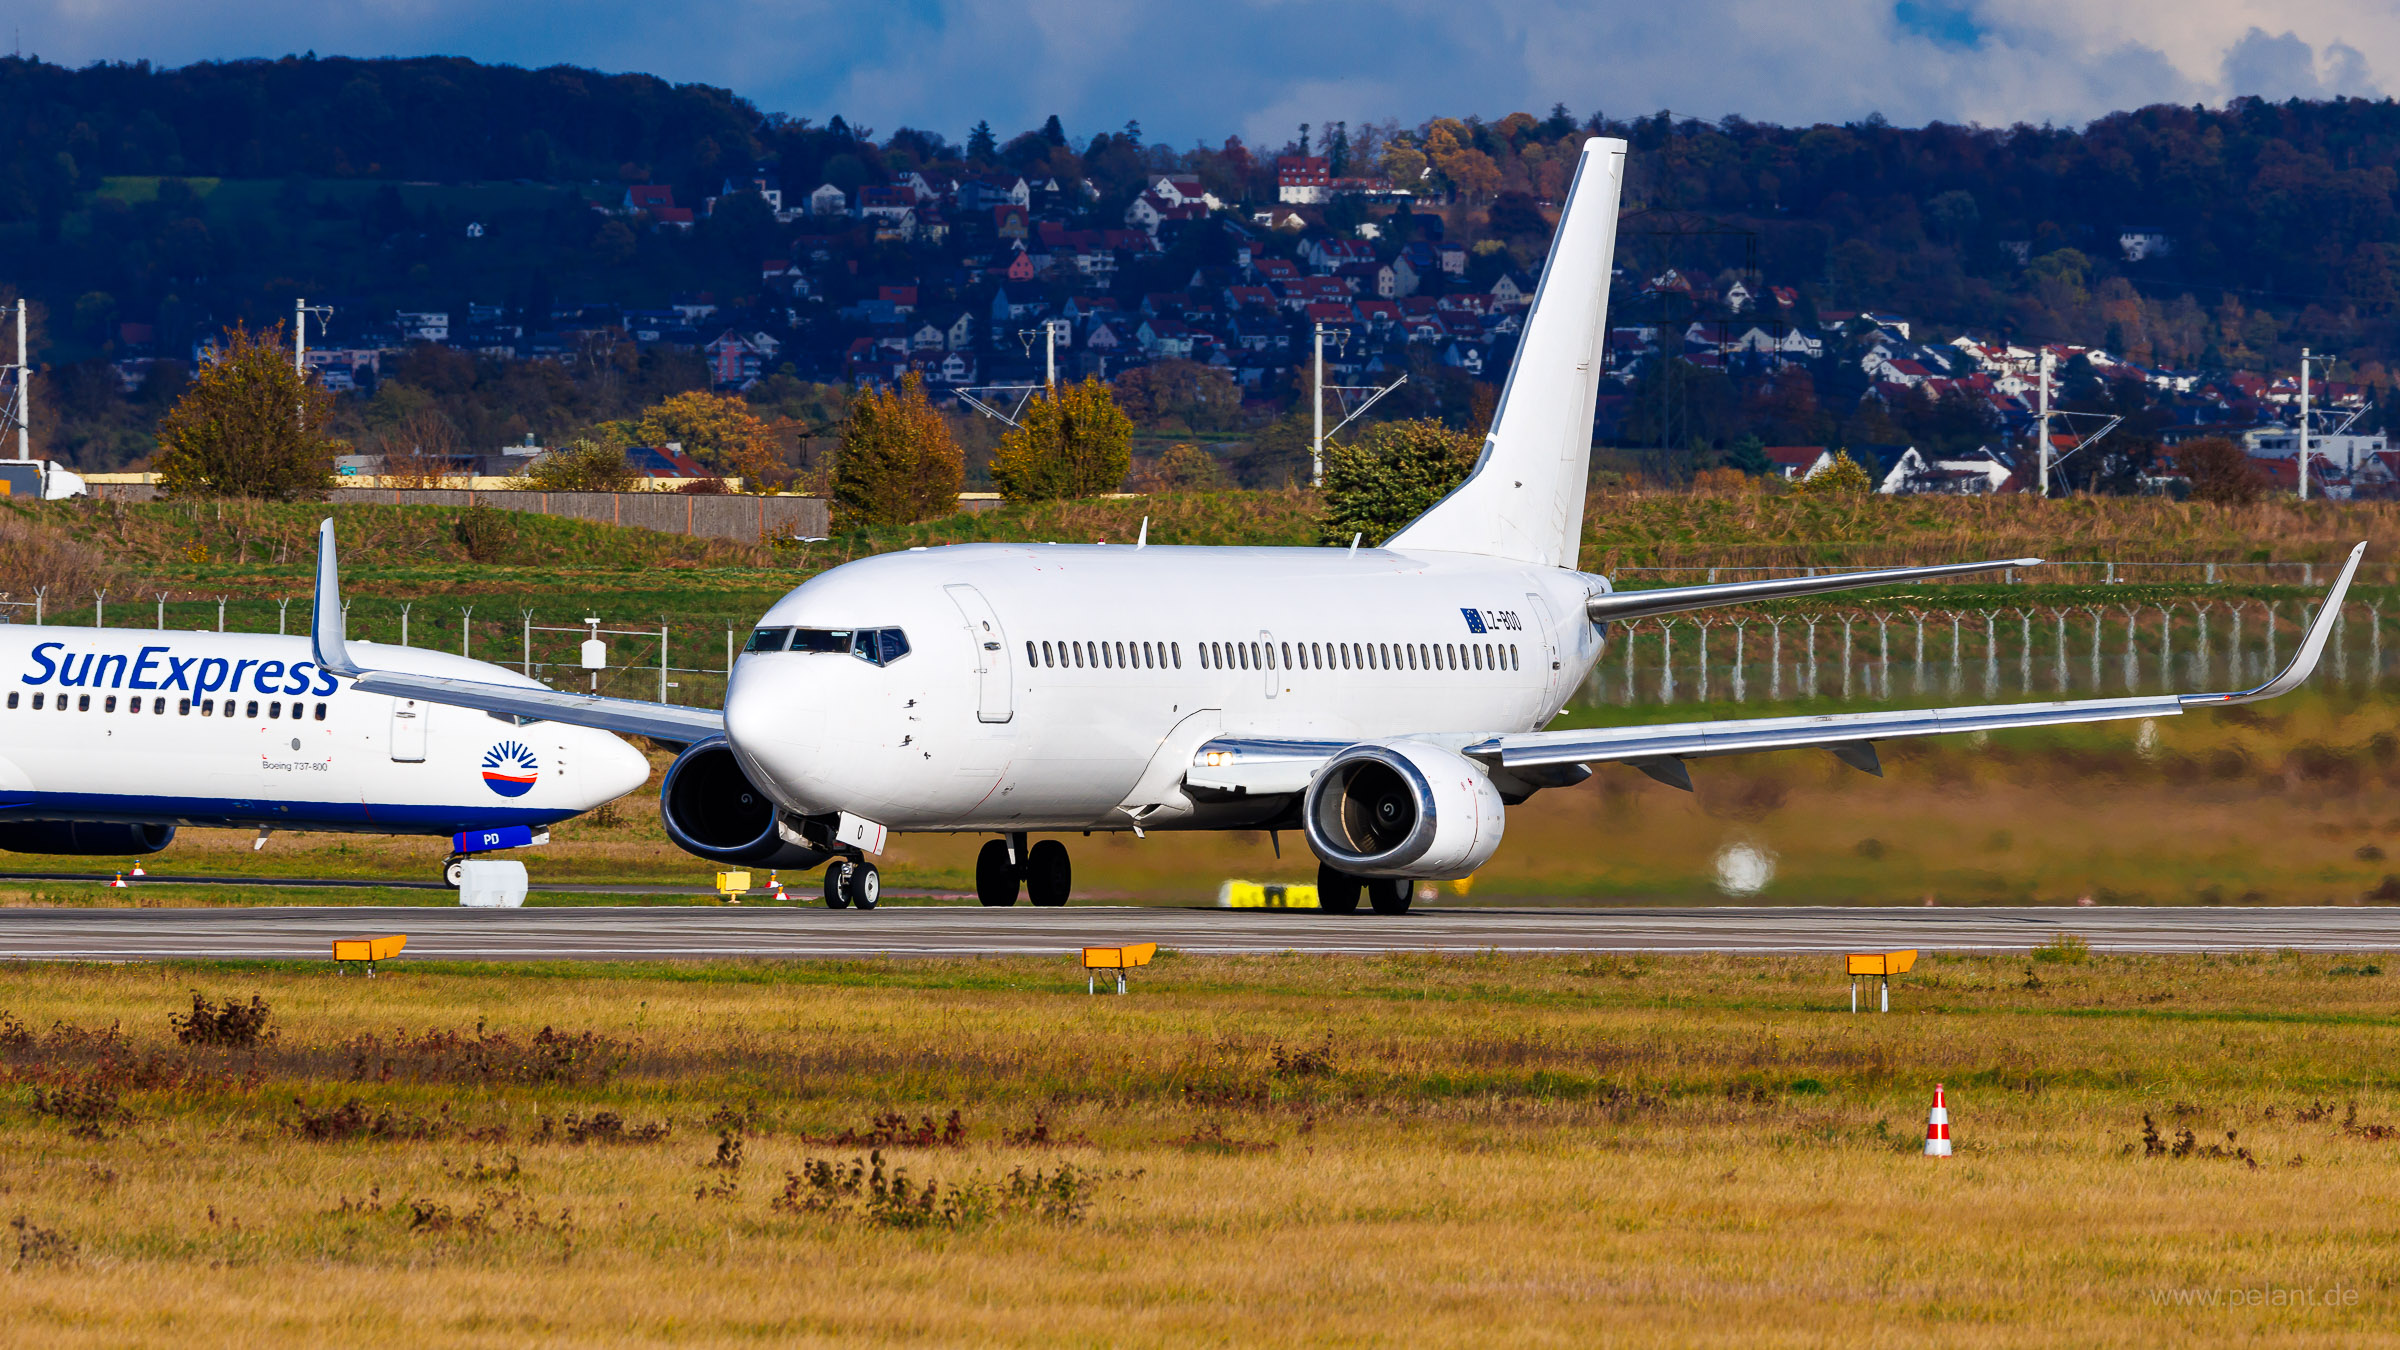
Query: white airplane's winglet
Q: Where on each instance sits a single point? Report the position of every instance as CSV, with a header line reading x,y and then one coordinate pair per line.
x,y
2304,661
325,621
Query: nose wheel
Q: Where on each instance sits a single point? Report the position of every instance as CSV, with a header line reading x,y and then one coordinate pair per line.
x,y
454,871
852,883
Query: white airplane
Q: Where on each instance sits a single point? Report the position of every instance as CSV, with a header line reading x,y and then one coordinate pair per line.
x,y
115,736
1387,702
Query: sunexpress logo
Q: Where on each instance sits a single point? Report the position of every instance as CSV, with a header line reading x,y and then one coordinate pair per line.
x,y
160,669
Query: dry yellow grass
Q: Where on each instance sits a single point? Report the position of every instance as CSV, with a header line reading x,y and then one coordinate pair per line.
x,y
1405,1150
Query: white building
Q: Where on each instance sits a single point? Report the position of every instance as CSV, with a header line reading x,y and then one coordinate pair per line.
x,y
2284,443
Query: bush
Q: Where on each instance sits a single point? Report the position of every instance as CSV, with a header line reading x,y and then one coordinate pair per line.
x,y
1185,467
2220,472
1390,476
232,1025
1842,478
485,533
1074,442
581,465
898,463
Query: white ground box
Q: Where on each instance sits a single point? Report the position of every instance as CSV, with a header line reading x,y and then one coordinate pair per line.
x,y
492,884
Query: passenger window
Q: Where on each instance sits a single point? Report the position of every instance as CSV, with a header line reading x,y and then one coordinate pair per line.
x,y
1149,657
12,698
275,709
183,707
208,707
109,704
253,709
320,712
37,702
1030,658
83,703
1287,656
158,707
1175,649
768,640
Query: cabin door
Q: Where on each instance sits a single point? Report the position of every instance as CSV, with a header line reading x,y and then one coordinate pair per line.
x,y
992,679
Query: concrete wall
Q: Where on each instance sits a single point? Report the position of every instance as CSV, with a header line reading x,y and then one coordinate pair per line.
x,y
727,516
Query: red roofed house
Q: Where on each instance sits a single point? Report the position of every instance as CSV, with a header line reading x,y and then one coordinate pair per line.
x,y
1302,180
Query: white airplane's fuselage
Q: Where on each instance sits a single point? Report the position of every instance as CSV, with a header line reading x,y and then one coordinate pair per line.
x,y
1068,686
242,730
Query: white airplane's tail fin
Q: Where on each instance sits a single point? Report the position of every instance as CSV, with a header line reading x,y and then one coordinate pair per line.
x,y
1525,499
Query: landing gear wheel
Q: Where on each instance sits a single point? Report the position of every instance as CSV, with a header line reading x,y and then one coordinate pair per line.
x,y
837,883
1337,890
864,886
1048,876
454,871
996,878
1390,895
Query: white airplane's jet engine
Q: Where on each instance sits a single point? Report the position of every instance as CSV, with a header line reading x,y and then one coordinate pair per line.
x,y
83,838
1403,809
712,809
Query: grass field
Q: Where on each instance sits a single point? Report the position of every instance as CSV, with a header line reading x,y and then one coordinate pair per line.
x,y
1407,1150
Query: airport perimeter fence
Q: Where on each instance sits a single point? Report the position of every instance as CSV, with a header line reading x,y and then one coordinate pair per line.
x,y
1996,654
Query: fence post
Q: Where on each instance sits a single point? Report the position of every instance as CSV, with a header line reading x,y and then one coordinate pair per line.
x,y
1919,678
2271,661
466,631
2233,646
283,608
1740,689
1775,660
2094,611
1626,696
1883,671
2200,652
162,611
2166,649
662,660
2061,615
40,594
1956,661
527,664
2025,651
1813,684
1847,621
1666,661
1991,653
100,608
1702,625
2133,664
405,606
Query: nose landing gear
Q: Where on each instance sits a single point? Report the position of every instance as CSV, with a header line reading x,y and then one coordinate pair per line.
x,y
852,883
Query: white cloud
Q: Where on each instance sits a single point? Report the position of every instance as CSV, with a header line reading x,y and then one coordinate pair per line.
x,y
1260,67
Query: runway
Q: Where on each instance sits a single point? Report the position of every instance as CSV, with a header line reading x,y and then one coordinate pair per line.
x,y
691,933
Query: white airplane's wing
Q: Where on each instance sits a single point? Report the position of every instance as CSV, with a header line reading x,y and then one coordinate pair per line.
x,y
1676,599
1661,750
659,721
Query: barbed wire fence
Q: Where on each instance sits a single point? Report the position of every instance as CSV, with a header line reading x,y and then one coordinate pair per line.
x,y
1997,653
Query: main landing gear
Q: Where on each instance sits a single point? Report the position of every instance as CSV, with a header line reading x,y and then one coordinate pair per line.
x,y
852,883
1043,871
1338,892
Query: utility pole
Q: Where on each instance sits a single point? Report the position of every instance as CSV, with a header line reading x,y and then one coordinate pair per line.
x,y
2304,424
2042,422
1316,403
21,391
1050,329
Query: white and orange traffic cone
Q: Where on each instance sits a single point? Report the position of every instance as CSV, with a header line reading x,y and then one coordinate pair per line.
x,y
779,895
117,883
137,870
1937,1127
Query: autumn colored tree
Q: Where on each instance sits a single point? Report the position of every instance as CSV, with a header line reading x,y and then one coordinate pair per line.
x,y
2220,471
1185,467
1390,476
1842,478
1201,397
1074,442
719,430
249,425
898,463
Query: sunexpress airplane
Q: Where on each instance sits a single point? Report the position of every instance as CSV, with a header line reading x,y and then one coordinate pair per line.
x,y
1389,703
112,737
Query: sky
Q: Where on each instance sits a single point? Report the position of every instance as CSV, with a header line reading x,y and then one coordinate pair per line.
x,y
1198,72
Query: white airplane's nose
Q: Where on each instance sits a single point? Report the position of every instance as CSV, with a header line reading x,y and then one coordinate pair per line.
x,y
612,768
775,725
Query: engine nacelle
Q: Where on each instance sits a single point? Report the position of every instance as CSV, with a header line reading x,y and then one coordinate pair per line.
x,y
711,808
83,838
1403,809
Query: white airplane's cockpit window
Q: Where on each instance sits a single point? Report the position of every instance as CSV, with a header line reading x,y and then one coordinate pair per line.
x,y
875,646
819,640
767,640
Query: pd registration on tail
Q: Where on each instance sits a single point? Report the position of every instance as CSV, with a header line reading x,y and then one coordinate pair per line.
x,y
1389,703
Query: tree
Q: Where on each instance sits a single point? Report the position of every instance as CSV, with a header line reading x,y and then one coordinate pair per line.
x,y
1842,478
719,430
2221,472
248,426
898,463
1390,476
581,465
982,146
1073,443
1203,398
1185,467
